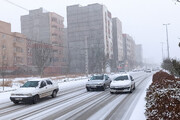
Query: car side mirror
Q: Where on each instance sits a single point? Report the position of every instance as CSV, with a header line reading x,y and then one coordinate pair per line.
x,y
41,86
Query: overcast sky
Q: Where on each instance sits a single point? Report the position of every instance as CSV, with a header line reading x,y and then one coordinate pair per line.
x,y
142,19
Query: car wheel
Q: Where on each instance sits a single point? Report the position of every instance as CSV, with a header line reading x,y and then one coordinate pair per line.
x,y
54,94
87,89
103,88
35,99
131,90
16,102
134,87
112,92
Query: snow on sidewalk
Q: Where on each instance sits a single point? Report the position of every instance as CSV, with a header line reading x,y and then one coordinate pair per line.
x,y
139,110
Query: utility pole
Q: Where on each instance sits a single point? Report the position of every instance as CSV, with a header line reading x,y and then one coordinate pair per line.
x,y
167,38
86,56
162,51
3,65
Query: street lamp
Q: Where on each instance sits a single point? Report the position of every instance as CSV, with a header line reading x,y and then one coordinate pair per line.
x,y
162,51
167,38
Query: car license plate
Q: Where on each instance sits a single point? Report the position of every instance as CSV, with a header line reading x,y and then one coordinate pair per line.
x,y
93,86
18,98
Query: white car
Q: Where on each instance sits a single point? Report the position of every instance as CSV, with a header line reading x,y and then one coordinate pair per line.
x,y
122,83
33,90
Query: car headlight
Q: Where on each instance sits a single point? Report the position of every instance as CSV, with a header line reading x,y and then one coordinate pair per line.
x,y
12,94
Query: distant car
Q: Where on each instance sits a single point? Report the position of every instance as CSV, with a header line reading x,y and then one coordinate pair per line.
x,y
148,70
122,83
97,82
33,90
135,70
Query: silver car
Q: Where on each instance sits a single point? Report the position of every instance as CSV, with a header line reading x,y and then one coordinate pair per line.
x,y
98,82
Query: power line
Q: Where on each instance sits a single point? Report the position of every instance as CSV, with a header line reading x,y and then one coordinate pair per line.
x,y
16,5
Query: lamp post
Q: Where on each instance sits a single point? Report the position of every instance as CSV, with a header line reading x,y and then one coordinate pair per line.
x,y
167,38
162,51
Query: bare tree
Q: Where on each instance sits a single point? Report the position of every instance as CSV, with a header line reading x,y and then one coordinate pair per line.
x,y
42,56
176,1
98,60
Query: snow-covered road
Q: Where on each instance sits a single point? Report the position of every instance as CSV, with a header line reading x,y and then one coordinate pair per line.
x,y
75,103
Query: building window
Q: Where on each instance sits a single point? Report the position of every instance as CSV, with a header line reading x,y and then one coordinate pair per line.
x,y
3,36
54,26
53,19
60,52
55,51
18,49
54,34
3,47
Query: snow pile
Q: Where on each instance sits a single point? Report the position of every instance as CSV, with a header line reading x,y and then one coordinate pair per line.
x,y
163,98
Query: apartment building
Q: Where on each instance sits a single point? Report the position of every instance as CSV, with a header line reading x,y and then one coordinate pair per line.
x,y
129,51
41,26
117,43
12,48
138,54
89,30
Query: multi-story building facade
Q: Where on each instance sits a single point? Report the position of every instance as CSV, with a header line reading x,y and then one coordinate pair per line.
x,y
89,30
138,55
129,52
117,44
12,48
46,27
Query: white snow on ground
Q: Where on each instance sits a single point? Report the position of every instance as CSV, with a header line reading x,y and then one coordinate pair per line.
x,y
139,110
72,84
4,97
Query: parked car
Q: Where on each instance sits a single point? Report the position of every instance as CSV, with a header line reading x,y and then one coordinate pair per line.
x,y
98,82
122,83
33,90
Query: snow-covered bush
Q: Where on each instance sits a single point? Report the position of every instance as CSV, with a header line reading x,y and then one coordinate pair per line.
x,y
163,98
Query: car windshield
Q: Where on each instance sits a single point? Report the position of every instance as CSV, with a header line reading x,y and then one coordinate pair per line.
x,y
98,77
119,78
31,84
